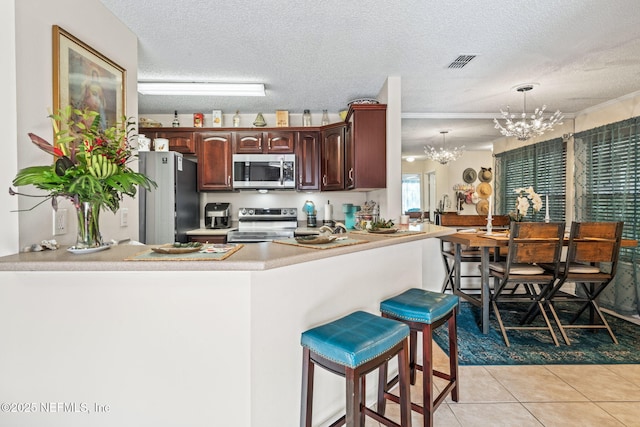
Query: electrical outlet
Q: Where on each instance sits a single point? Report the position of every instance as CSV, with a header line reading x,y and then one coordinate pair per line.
x,y
124,217
59,222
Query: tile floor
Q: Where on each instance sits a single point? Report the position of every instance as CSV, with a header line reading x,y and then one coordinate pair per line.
x,y
549,395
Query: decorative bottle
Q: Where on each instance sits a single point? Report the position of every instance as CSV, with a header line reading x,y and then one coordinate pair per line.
x,y
306,118
176,122
236,119
325,118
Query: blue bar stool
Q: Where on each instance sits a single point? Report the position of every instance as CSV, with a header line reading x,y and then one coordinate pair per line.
x,y
351,347
423,311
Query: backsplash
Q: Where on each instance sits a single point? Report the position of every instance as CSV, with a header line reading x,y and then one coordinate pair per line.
x,y
283,199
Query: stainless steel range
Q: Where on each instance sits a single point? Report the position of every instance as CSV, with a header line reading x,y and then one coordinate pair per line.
x,y
264,224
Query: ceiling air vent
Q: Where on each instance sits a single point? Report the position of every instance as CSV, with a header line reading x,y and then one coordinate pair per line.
x,y
461,61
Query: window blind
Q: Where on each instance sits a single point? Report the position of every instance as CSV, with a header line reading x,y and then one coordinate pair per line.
x,y
607,177
541,166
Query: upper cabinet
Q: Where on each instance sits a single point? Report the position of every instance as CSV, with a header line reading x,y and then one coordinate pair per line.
x,y
182,141
350,155
215,169
258,142
366,147
332,148
308,161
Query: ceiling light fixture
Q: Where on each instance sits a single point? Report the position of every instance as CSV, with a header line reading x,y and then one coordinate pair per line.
x,y
443,156
410,159
523,129
201,88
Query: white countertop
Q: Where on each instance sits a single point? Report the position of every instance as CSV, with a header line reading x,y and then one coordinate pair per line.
x,y
252,257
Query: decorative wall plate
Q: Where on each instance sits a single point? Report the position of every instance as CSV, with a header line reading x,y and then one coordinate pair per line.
x,y
469,175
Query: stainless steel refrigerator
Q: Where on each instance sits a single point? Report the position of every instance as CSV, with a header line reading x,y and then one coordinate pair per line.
x,y
173,208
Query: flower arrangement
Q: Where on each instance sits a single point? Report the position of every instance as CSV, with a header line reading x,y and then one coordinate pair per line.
x,y
526,196
90,165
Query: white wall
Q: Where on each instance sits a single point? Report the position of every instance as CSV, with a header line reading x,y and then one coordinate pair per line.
x,y
451,174
391,197
92,23
9,158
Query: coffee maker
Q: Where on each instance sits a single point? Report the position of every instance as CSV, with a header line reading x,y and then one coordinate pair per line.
x,y
216,215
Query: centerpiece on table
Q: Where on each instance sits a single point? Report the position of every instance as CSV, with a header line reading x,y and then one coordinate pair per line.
x,y
526,197
90,168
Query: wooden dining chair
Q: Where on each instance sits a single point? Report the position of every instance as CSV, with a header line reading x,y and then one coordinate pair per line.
x,y
530,244
592,246
467,254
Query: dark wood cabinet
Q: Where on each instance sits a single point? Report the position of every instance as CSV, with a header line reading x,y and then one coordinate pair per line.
x,y
182,141
215,169
339,156
332,147
307,151
257,142
209,238
366,147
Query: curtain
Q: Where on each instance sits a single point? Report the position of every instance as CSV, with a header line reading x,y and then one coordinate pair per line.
x,y
607,188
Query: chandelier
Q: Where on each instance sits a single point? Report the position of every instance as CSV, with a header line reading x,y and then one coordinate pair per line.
x,y
443,156
524,129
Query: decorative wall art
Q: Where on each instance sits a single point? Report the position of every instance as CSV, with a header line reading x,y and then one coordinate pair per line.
x,y
469,175
485,174
282,118
216,119
86,79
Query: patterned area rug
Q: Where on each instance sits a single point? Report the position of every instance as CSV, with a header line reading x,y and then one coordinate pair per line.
x,y
536,347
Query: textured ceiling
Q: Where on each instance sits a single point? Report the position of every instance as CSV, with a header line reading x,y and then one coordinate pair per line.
x,y
320,55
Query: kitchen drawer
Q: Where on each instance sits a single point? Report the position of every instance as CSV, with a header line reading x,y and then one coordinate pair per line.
x,y
209,238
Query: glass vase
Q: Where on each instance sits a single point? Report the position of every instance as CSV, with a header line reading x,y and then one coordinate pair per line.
x,y
88,226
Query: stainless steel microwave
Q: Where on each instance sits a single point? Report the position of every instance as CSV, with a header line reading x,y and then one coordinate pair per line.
x,y
272,171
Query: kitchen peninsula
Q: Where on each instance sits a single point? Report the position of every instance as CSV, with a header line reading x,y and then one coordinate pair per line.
x,y
193,343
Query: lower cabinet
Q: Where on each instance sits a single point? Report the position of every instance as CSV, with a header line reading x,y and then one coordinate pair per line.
x,y
218,238
215,168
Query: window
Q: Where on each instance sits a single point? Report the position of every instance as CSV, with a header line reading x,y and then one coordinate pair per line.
x,y
607,180
411,192
541,166
607,187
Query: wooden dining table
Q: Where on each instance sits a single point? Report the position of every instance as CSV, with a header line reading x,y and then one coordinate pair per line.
x,y
496,241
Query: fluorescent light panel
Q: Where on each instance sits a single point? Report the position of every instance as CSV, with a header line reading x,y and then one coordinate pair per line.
x,y
201,89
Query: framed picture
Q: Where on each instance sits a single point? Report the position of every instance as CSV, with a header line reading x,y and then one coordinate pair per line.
x,y
282,118
216,119
86,79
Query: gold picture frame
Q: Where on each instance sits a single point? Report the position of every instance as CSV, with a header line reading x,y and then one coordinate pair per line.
x,y
84,78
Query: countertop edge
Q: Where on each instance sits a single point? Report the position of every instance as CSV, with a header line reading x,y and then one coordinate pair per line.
x,y
252,257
